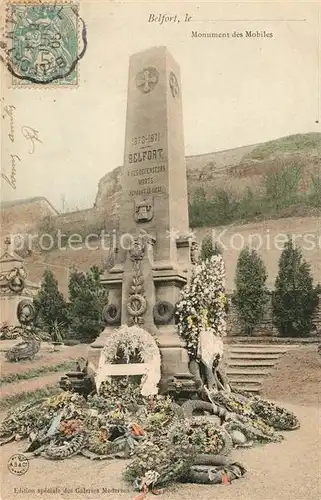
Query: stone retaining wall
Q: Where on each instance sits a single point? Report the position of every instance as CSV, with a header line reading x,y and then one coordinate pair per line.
x,y
266,327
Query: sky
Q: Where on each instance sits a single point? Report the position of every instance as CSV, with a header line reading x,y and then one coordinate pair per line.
x,y
235,91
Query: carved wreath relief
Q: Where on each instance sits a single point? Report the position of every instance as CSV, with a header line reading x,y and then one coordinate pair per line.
x,y
136,303
163,312
26,312
112,314
14,279
147,79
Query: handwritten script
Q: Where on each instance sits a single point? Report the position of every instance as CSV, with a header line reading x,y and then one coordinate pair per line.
x,y
9,111
32,136
12,180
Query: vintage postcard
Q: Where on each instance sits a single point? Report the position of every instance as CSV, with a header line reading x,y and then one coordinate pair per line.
x,y
160,263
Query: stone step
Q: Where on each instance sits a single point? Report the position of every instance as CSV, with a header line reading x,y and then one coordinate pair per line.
x,y
245,379
247,371
249,363
269,355
252,356
262,346
257,351
238,340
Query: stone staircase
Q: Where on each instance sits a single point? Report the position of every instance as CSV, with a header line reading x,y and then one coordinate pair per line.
x,y
248,364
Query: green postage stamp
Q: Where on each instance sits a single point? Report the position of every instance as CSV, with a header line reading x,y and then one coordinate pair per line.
x,y
44,43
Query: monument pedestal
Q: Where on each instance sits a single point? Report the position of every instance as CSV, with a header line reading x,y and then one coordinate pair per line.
x,y
160,285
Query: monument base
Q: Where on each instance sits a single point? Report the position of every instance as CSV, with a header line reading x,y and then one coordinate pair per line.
x,y
176,376
144,291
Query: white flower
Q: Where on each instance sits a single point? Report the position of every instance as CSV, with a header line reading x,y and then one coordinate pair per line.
x,y
201,302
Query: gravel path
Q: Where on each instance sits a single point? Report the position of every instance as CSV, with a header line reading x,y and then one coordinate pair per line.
x,y
30,385
45,357
296,378
282,471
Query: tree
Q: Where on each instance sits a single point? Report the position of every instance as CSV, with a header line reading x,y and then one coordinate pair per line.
x,y
208,248
87,298
295,298
51,306
251,293
198,208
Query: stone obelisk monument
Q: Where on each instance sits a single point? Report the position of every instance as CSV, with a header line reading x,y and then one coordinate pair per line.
x,y
153,255
154,163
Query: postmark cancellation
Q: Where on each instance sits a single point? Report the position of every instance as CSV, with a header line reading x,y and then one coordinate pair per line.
x,y
44,41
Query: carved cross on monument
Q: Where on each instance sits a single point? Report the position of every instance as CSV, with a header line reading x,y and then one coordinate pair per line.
x,y
173,83
147,79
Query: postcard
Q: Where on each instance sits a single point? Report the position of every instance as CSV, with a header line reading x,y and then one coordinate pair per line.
x,y
160,249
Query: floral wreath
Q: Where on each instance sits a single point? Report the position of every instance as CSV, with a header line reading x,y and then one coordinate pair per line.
x,y
202,304
133,341
202,434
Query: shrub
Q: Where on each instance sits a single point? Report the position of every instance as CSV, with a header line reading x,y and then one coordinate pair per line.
x,y
51,306
209,248
250,206
295,299
224,206
87,298
251,294
282,186
199,209
314,195
278,193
